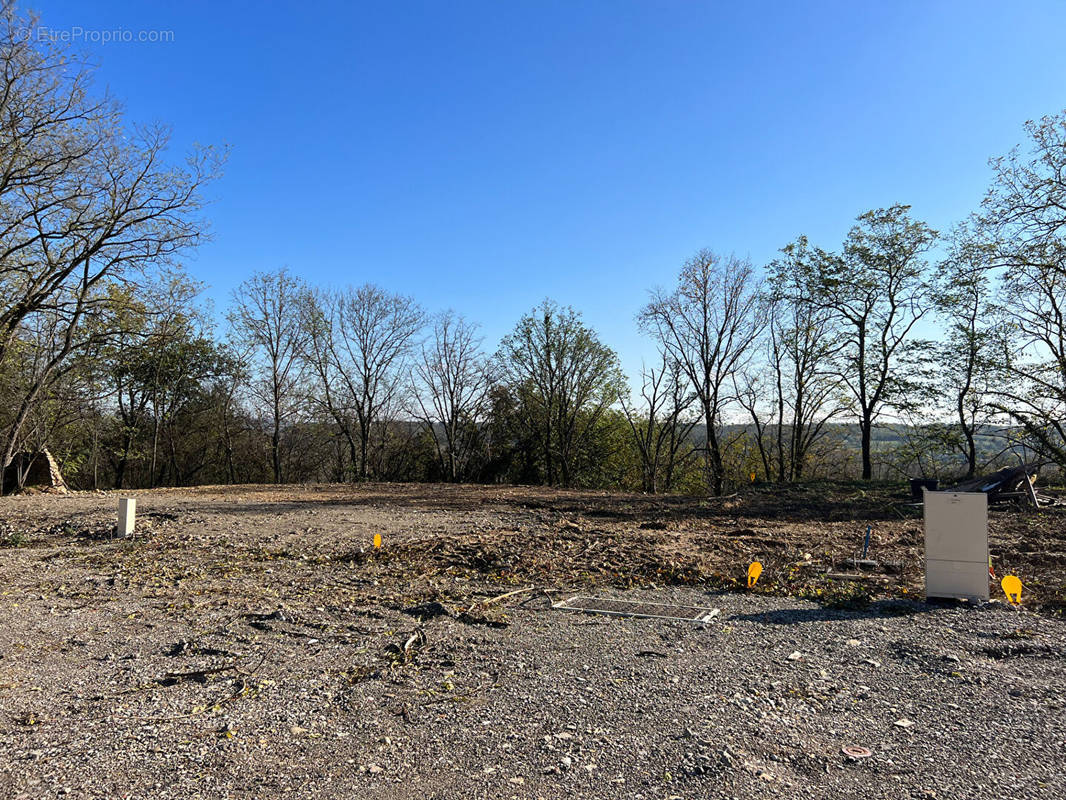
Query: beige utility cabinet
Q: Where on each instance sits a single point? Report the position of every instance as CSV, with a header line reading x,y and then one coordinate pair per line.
x,y
956,545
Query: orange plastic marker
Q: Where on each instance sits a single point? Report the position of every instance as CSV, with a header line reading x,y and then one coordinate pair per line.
x,y
1012,587
754,571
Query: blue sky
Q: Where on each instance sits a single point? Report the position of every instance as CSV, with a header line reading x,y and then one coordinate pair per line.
x,y
483,156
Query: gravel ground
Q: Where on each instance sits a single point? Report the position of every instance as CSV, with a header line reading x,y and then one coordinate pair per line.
x,y
263,651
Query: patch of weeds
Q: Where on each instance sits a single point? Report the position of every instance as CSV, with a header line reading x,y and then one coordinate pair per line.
x,y
13,538
839,594
401,655
356,675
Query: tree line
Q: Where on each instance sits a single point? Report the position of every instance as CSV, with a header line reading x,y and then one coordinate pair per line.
x,y
900,350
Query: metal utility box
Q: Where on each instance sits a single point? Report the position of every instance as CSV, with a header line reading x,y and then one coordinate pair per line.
x,y
956,545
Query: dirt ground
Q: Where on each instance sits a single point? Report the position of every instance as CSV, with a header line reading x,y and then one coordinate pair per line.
x,y
250,641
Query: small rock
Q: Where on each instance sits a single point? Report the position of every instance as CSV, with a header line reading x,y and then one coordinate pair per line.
x,y
853,642
566,762
903,723
795,655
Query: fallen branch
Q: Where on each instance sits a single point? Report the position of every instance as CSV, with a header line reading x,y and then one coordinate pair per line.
x,y
493,600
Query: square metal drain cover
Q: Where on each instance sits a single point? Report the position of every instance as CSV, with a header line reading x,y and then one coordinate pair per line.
x,y
631,608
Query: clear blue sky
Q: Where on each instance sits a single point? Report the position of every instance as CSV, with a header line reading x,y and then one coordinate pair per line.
x,y
484,155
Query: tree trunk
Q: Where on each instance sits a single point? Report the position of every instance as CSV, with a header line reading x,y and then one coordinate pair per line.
x,y
120,470
713,454
364,450
866,426
275,451
968,432
971,453
155,450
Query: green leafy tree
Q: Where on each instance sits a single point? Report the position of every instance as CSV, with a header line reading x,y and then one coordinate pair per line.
x,y
968,368
564,380
877,291
1026,211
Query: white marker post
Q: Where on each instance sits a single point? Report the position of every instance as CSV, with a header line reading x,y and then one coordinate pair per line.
x,y
127,513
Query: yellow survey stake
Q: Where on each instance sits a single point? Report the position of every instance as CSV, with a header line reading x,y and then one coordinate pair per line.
x,y
1012,587
754,571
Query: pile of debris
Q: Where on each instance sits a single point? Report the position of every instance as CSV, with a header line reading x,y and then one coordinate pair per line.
x,y
33,470
1010,484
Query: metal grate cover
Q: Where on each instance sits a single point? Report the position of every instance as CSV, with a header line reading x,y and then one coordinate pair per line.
x,y
630,608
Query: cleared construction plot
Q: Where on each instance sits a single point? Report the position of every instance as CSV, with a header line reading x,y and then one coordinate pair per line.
x,y
251,642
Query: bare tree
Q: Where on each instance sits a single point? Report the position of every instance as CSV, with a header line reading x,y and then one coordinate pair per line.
x,y
752,387
84,199
453,379
660,424
708,324
266,318
801,350
358,345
